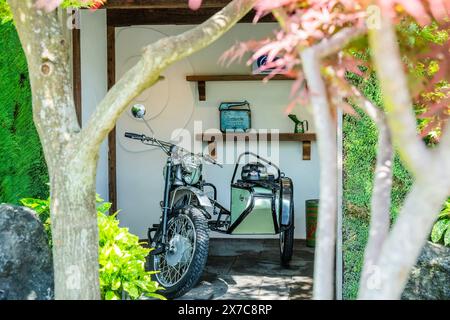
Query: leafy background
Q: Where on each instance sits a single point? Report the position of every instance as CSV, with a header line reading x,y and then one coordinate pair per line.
x,y
23,172
360,143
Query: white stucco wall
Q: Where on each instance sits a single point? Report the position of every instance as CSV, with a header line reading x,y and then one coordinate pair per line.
x,y
94,79
173,103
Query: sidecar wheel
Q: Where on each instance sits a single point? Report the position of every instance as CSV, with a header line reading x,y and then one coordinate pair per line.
x,y
287,244
180,268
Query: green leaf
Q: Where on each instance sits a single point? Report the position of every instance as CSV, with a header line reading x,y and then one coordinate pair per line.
x,y
111,295
155,295
447,237
116,284
121,256
132,290
438,230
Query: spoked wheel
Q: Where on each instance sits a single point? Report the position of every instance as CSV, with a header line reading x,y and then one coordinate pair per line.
x,y
180,267
287,244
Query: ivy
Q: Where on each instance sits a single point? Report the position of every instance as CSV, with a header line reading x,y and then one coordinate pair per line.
x,y
441,229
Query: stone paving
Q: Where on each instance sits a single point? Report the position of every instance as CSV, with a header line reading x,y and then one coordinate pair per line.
x,y
249,269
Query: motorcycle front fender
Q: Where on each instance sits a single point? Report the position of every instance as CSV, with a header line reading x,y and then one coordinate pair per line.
x,y
183,191
286,203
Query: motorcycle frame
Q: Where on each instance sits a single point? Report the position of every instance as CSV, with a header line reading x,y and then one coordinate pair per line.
x,y
174,192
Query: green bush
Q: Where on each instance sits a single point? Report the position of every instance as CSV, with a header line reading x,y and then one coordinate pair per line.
x,y
121,256
23,171
441,229
360,143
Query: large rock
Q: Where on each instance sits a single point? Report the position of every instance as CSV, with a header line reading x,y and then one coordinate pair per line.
x,y
26,270
430,277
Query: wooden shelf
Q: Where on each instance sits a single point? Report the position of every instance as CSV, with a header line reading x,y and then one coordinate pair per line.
x,y
202,79
213,138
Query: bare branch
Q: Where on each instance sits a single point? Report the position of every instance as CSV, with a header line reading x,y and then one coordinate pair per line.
x,y
406,239
381,194
326,132
155,58
396,96
441,154
339,40
400,250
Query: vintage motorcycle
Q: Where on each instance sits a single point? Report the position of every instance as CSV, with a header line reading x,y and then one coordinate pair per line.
x,y
261,203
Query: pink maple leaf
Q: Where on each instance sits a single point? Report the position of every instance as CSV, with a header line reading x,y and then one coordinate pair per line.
x,y
195,4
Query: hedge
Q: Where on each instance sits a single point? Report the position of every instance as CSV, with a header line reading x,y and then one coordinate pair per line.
x,y
23,172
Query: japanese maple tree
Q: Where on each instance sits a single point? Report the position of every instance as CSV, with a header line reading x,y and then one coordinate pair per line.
x,y
310,45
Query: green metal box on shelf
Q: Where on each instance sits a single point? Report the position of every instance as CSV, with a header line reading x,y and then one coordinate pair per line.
x,y
312,210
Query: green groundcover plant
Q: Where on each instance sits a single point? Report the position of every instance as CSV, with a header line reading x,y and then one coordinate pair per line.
x,y
121,256
441,229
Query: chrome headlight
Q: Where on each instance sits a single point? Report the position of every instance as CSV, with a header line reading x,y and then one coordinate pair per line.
x,y
192,165
190,162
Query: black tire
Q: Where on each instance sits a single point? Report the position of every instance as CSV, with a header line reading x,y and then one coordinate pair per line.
x,y
199,257
287,244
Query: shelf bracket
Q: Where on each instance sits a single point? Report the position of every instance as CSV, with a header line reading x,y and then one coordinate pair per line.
x,y
306,145
201,86
212,148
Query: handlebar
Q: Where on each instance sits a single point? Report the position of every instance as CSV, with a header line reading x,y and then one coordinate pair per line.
x,y
165,146
135,136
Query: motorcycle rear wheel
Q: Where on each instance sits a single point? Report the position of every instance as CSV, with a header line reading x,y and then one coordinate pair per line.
x,y
181,266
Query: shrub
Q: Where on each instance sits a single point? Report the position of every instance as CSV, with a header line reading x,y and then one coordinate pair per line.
x,y
23,171
441,229
121,256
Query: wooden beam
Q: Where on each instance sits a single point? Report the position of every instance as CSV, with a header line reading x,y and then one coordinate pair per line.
x,y
129,17
240,136
202,79
161,4
212,138
236,77
112,160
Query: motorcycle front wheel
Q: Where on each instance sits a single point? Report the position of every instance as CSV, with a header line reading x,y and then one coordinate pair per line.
x,y
180,267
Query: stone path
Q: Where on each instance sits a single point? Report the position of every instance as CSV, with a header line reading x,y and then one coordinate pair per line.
x,y
249,269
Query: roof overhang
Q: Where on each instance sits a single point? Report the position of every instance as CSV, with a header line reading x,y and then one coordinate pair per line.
x,y
157,12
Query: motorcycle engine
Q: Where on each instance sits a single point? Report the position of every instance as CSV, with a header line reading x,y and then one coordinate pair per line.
x,y
254,171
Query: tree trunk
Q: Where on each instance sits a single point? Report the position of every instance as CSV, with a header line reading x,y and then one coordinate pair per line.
x,y
381,196
325,125
429,167
326,133
74,231
71,153
404,244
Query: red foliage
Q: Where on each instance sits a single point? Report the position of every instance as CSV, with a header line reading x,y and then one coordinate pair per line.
x,y
195,4
307,22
